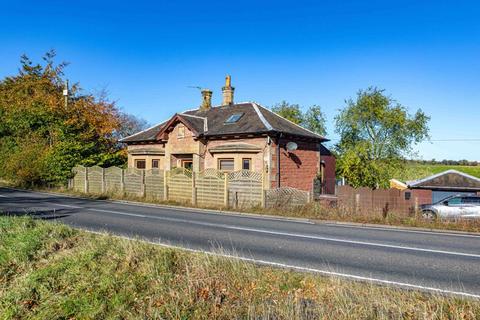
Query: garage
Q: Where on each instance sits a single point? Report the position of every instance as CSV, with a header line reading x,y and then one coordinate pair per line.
x,y
446,184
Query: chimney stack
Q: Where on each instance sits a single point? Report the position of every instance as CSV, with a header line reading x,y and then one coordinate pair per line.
x,y
227,91
206,100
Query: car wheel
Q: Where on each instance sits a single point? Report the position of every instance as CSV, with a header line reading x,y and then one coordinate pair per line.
x,y
429,214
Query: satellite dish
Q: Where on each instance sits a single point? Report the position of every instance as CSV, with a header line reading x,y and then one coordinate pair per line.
x,y
291,146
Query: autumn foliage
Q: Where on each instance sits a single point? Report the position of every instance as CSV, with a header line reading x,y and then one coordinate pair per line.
x,y
42,137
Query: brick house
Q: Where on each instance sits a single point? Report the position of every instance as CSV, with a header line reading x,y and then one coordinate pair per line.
x,y
235,136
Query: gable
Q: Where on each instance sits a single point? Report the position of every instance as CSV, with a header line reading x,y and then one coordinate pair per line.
x,y
191,124
448,180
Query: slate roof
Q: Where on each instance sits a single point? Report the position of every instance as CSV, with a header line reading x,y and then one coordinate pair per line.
x,y
255,119
447,180
149,134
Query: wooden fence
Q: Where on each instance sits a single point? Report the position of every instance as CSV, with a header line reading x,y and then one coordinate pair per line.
x,y
286,196
210,188
366,200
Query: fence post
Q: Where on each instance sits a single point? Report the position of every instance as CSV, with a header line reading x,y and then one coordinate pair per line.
x,y
416,207
86,180
165,185
225,190
122,182
357,203
194,190
143,188
103,180
263,190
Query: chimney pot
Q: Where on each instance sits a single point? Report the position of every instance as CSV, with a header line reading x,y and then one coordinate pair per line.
x,y
227,91
206,100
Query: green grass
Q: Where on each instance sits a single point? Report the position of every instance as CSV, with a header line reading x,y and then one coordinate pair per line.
x,y
417,171
50,271
471,170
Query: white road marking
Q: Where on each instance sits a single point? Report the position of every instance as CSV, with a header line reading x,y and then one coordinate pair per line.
x,y
295,235
380,228
292,234
126,214
178,208
2,196
300,268
65,205
253,216
212,212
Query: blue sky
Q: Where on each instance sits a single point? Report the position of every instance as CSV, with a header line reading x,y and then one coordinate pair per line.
x,y
426,54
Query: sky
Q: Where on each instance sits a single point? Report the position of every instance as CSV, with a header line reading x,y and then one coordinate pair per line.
x,y
425,54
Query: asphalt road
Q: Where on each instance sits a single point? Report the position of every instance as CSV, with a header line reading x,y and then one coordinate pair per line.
x,y
442,262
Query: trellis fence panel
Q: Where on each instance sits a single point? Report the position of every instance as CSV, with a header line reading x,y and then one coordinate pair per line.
x,y
133,182
210,188
79,178
245,189
95,180
154,184
286,196
113,180
180,185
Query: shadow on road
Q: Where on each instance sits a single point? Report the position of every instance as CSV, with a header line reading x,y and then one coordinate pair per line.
x,y
36,207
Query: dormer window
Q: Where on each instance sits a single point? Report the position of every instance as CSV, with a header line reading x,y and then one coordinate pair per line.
x,y
234,118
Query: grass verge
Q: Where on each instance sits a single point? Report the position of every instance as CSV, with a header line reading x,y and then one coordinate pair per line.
x,y
50,271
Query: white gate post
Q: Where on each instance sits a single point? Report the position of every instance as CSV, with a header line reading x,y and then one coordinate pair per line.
x,y
225,190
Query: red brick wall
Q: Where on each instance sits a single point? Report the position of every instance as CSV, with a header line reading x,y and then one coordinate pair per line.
x,y
329,174
297,168
423,196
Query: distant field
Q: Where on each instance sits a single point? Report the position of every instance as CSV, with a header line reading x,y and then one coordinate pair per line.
x,y
416,171
474,171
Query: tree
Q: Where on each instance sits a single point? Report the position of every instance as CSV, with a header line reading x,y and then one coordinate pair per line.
x,y
130,124
313,119
376,134
289,111
41,138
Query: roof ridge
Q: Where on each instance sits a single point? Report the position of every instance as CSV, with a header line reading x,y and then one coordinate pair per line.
x,y
415,182
191,115
220,105
295,124
265,122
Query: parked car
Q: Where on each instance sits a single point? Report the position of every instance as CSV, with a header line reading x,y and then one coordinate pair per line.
x,y
458,206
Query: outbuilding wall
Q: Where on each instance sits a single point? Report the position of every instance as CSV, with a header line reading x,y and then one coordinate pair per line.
x,y
298,168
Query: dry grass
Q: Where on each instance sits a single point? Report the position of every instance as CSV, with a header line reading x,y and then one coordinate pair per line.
x,y
50,271
317,211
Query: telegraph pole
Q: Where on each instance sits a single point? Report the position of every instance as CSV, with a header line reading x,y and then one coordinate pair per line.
x,y
65,93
